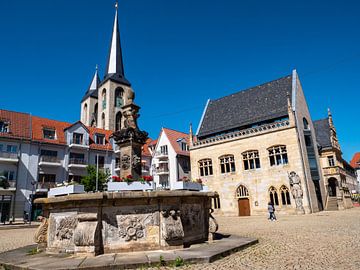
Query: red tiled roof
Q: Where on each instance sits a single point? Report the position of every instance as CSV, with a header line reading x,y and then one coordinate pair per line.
x,y
19,124
153,142
173,136
145,148
38,123
355,161
107,133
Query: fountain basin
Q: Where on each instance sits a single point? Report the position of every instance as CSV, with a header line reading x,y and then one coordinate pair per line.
x,y
113,222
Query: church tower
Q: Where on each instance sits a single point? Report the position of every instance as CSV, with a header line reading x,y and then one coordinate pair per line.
x,y
114,91
89,103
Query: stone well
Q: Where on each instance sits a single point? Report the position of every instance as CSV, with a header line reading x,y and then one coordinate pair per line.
x,y
112,222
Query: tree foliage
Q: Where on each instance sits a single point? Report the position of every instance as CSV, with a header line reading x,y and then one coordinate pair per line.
x,y
89,181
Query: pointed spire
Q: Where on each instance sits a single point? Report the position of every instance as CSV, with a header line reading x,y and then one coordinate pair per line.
x,y
95,81
190,135
331,123
115,67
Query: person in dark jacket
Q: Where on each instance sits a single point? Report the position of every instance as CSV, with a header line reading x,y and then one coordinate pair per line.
x,y
271,210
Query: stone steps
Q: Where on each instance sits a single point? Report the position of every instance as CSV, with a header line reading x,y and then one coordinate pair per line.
x,y
332,204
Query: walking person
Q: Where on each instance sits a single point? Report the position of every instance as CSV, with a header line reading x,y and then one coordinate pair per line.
x,y
271,210
273,214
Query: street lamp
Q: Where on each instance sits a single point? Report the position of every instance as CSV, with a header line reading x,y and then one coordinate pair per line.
x,y
33,183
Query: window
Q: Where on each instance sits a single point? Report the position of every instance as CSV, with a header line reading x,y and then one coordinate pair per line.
x,y
48,153
49,133
118,121
308,140
119,97
331,161
251,160
94,116
164,149
76,158
227,164
306,124
11,148
4,127
99,139
101,161
103,120
9,175
285,195
312,162
205,167
103,99
278,155
241,192
75,178
85,114
47,178
273,196
1,147
78,138
184,146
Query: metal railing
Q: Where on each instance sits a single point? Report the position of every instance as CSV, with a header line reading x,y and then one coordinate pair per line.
x,y
79,161
45,185
159,153
79,141
50,159
4,154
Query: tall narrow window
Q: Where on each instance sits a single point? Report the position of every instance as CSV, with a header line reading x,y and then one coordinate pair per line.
x,y
251,160
285,195
78,138
273,196
331,161
99,138
227,164
164,149
119,97
85,114
118,121
205,167
103,120
278,155
94,118
306,124
103,99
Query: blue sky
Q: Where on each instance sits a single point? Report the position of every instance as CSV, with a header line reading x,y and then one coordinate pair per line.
x,y
179,53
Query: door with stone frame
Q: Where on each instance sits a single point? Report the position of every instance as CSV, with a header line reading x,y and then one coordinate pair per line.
x,y
242,194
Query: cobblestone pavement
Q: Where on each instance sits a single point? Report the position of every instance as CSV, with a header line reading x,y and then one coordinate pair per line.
x,y
15,238
325,240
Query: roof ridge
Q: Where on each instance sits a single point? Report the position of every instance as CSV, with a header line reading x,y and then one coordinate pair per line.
x,y
25,113
252,87
176,130
53,120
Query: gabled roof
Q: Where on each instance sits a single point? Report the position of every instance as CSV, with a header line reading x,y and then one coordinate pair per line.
x,y
39,123
355,161
173,136
78,123
322,131
257,104
19,124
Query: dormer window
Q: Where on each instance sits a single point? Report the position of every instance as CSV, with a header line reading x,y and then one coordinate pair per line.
x,y
184,146
49,133
78,138
4,127
99,138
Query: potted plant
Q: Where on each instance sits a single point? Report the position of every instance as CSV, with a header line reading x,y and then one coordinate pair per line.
x,y
128,183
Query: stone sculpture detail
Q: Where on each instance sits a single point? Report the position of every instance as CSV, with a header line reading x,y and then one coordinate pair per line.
x,y
172,228
66,228
131,228
296,191
40,236
125,162
84,233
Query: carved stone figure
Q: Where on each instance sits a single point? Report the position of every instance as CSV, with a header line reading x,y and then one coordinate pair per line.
x,y
296,191
131,228
131,119
172,228
125,162
66,228
40,236
136,160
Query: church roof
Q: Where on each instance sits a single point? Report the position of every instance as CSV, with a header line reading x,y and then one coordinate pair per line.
x,y
322,131
92,90
115,67
257,104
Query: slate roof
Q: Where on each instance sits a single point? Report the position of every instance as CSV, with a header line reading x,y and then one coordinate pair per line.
x,y
257,104
322,131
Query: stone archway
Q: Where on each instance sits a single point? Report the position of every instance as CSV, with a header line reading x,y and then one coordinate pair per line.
x,y
332,184
242,195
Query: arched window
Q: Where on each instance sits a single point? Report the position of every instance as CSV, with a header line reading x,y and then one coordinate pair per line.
x,y
118,121
273,196
205,167
94,117
241,192
285,195
85,114
278,155
103,99
227,163
251,160
103,120
119,92
306,124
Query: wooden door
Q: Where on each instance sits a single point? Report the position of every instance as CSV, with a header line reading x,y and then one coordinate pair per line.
x,y
244,207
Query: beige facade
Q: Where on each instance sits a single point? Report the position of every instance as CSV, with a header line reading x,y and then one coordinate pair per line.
x,y
256,187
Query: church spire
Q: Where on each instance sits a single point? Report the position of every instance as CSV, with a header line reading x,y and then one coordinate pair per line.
x,y
95,81
115,68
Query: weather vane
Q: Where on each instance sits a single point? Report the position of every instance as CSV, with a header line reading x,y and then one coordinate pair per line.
x,y
116,4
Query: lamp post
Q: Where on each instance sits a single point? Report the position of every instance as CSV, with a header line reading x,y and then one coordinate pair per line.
x,y
97,173
33,183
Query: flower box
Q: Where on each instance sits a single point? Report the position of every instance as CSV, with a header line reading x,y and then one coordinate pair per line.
x,y
181,185
130,186
66,190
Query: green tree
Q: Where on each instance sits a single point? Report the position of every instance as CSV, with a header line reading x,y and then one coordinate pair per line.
x,y
89,181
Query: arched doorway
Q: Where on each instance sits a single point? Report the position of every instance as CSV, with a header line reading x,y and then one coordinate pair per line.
x,y
332,183
242,194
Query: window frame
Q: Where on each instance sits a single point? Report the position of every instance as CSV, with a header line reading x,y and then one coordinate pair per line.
x,y
227,164
331,159
205,167
278,158
251,160
97,138
285,196
4,126
49,130
273,195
